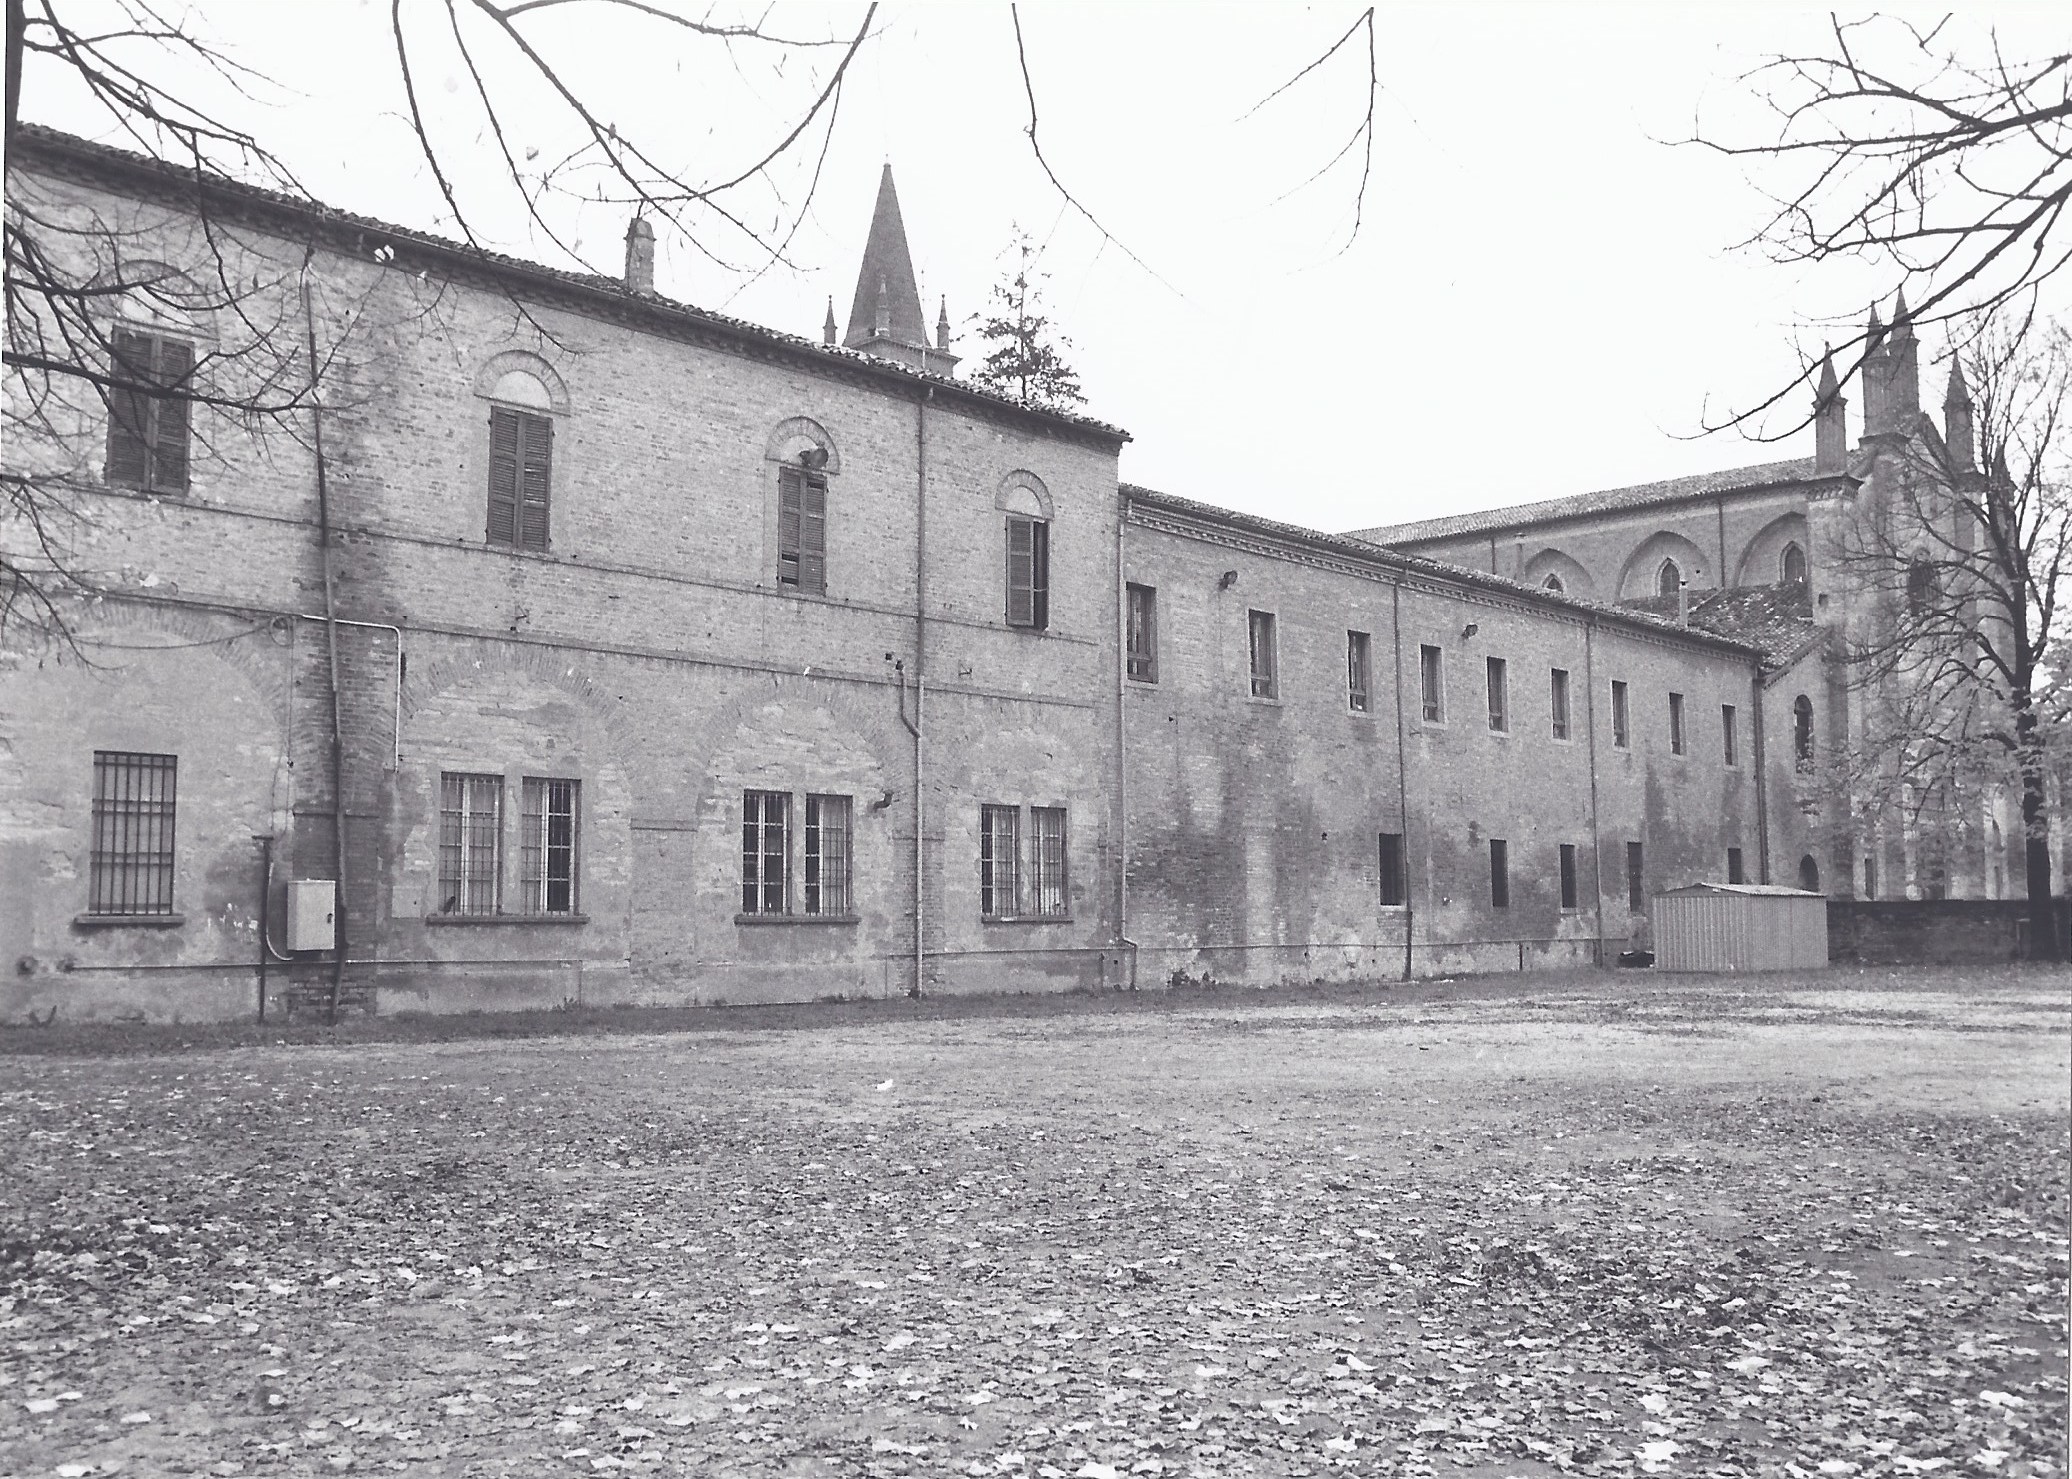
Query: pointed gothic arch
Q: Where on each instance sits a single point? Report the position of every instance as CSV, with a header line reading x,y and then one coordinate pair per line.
x,y
1641,576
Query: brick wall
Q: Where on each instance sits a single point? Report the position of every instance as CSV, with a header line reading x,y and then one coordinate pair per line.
x,y
1942,931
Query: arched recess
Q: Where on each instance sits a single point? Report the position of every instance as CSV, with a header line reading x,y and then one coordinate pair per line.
x,y
1551,565
1637,580
519,377
1762,558
1809,874
1022,492
797,434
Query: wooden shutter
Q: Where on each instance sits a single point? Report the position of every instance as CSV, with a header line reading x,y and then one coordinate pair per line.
x,y
813,534
503,476
169,418
1039,575
129,412
1021,572
791,485
535,480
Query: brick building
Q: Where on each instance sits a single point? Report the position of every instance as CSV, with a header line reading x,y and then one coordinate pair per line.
x,y
611,650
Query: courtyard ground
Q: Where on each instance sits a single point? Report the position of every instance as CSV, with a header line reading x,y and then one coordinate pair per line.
x,y
1587,1224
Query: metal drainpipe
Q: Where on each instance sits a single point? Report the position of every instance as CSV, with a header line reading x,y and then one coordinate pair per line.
x,y
1402,780
331,641
1762,803
1596,828
920,661
379,626
1122,795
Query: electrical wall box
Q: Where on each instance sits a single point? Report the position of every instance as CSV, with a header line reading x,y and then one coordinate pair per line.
x,y
312,914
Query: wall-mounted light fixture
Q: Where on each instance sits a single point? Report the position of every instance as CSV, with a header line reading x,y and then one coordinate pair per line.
x,y
1226,580
1469,630
813,459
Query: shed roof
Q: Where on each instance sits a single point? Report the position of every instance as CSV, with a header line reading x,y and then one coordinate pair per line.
x,y
1760,890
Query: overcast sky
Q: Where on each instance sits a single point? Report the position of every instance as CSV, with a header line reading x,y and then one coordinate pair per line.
x,y
1542,296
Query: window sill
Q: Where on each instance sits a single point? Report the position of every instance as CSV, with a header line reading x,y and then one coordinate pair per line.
x,y
1359,713
798,919
1025,919
1271,699
128,921
507,919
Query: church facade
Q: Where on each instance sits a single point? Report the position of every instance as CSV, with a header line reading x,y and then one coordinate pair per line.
x,y
595,648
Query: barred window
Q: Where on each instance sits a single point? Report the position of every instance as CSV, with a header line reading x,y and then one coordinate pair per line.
x,y
1047,859
1431,677
765,851
1266,680
548,850
1141,634
147,432
132,862
1358,695
999,854
827,854
471,815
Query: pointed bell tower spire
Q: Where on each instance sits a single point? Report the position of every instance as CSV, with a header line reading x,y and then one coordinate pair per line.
x,y
1958,433
1830,423
885,318
942,323
1902,371
1876,362
828,329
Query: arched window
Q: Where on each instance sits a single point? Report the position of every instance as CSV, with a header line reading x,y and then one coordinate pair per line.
x,y
1802,730
1669,579
1553,583
1922,593
1791,565
1809,874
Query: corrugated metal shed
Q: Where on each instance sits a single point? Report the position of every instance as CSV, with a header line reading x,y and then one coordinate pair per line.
x,y
1739,927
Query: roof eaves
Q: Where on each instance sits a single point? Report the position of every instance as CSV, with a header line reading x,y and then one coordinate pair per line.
x,y
55,148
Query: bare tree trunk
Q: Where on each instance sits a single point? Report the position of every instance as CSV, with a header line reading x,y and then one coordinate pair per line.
x,y
2043,919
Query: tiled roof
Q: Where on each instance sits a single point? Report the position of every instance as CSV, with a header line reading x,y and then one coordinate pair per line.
x,y
1776,620
55,148
1583,505
1446,570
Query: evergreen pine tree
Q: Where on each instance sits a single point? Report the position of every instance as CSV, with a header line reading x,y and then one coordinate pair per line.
x,y
1023,360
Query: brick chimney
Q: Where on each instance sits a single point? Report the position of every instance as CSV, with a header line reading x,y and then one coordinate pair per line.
x,y
640,257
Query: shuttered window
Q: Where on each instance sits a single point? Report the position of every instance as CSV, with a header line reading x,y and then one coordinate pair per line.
x,y
802,529
471,814
132,864
521,477
147,433
1028,573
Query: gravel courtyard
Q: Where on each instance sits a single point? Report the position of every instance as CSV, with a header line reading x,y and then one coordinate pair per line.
x,y
1588,1225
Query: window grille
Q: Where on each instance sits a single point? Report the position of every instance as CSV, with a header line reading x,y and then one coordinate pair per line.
x,y
471,813
828,832
1142,642
521,476
1558,702
1431,674
148,434
999,853
765,851
131,869
1499,695
1047,859
550,814
1358,695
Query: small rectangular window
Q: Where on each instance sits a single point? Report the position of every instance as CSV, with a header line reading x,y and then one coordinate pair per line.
x,y
1499,873
765,852
999,861
521,476
1622,733
1358,697
471,825
1141,641
1392,880
1734,873
547,850
1870,877
1636,879
1558,702
1499,695
1028,573
147,432
1266,681
131,868
802,529
1431,675
827,855
1728,739
1676,727
1047,860
1568,875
